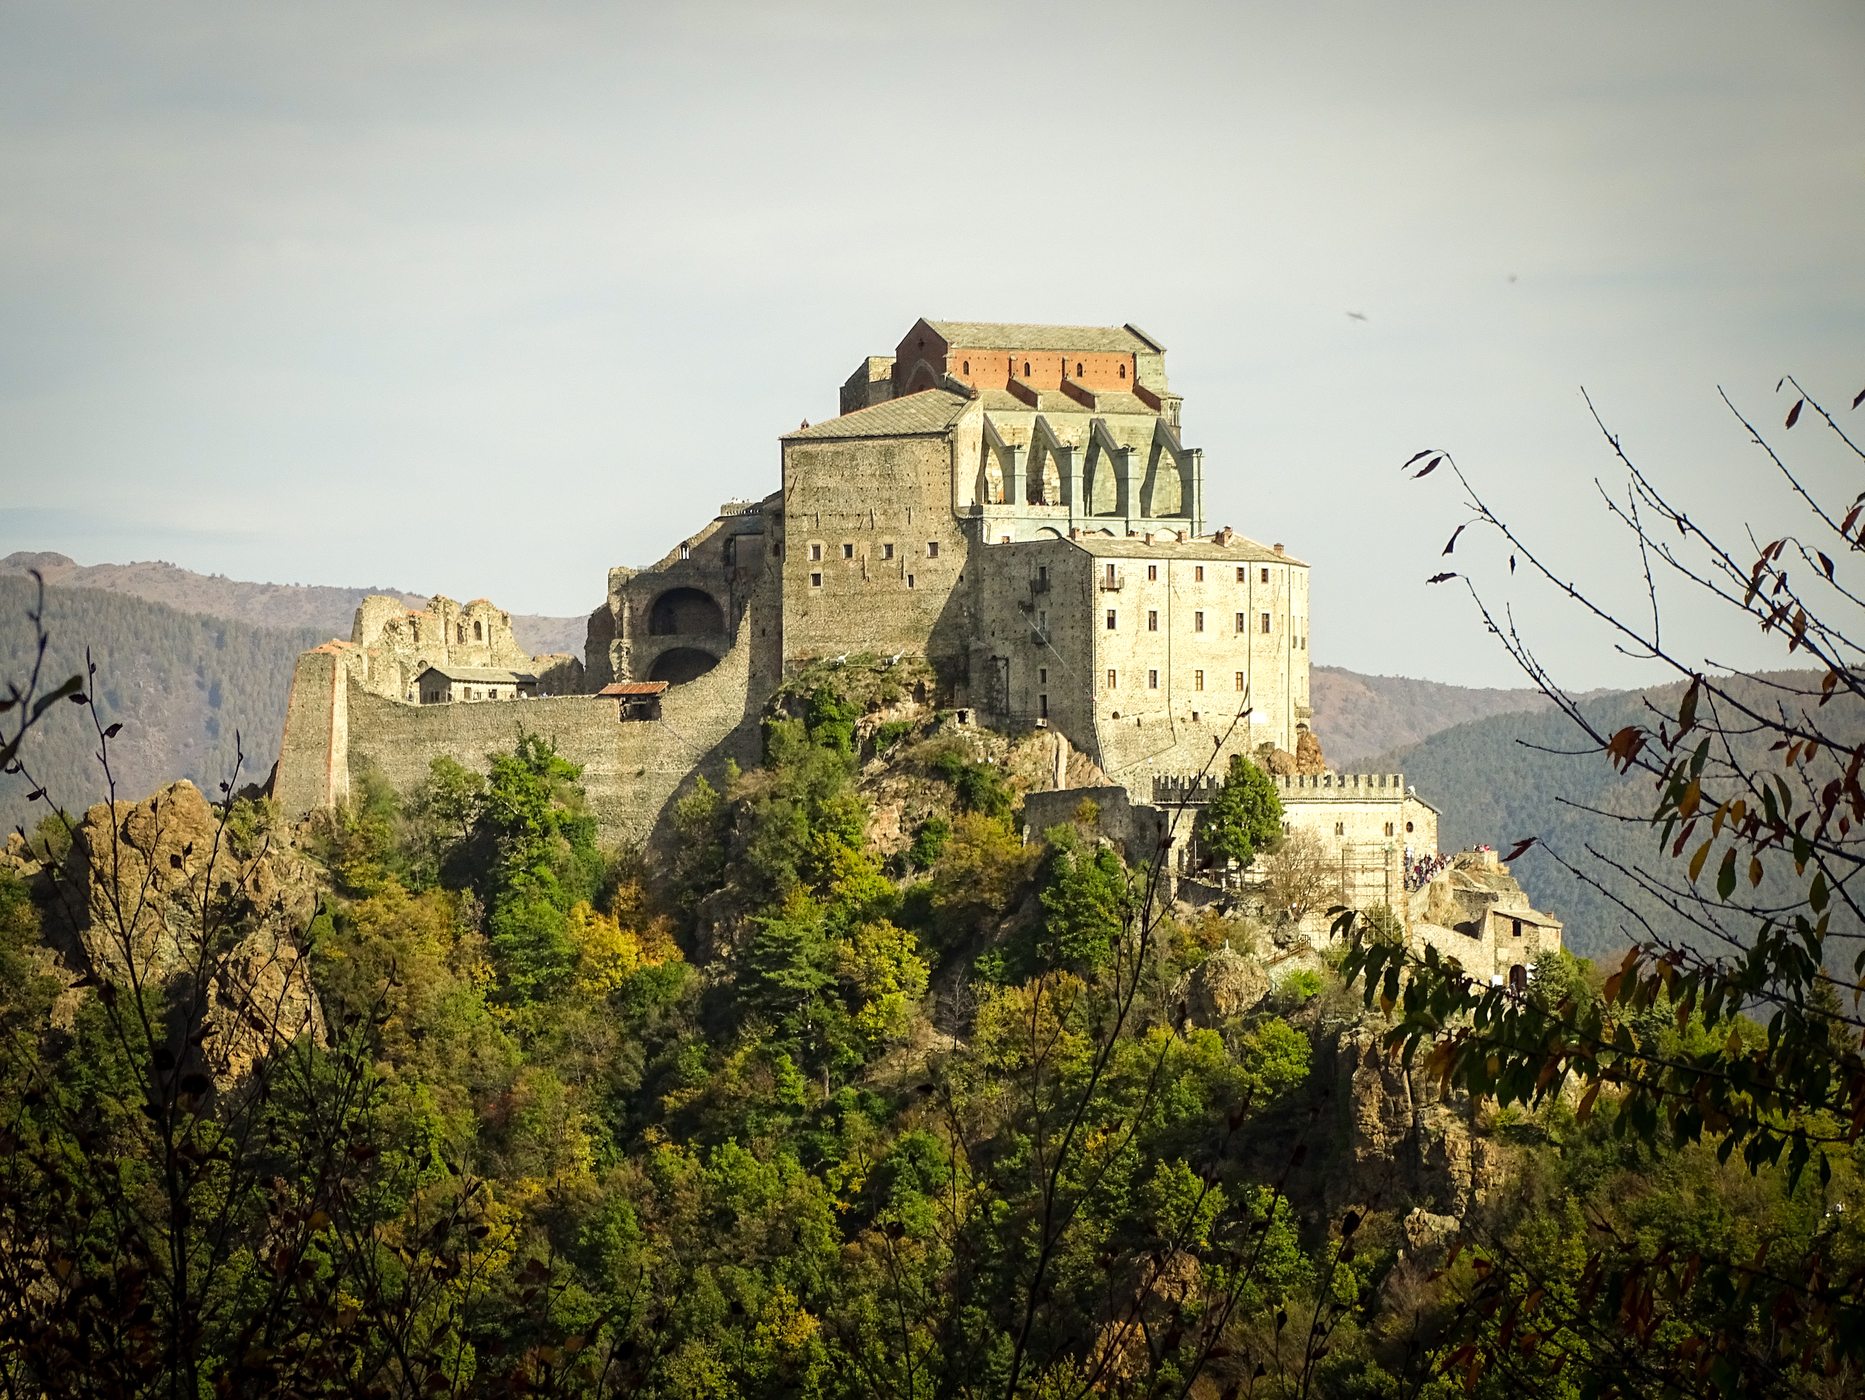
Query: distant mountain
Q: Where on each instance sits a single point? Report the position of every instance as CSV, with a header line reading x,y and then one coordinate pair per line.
x,y
325,610
1359,716
179,683
1495,782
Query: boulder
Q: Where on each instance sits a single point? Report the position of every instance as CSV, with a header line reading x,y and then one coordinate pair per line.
x,y
1225,985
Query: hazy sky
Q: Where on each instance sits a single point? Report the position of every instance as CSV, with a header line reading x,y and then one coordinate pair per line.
x,y
483,298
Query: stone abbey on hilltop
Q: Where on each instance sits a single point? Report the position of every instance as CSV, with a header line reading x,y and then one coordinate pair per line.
x,y
1013,503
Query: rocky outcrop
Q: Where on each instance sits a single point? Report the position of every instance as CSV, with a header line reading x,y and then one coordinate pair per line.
x,y
1309,760
161,894
1225,985
1405,1143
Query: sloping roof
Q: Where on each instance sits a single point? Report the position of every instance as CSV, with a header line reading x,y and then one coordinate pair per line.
x,y
1006,335
1238,551
927,412
623,688
481,674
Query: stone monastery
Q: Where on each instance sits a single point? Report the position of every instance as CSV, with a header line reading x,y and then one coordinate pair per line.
x,y
1014,503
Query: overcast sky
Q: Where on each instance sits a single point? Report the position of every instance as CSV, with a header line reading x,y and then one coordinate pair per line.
x,y
484,298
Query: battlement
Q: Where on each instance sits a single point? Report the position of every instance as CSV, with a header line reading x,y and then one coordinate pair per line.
x,y
1177,790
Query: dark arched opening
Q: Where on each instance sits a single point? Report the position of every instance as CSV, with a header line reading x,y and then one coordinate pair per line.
x,y
684,612
681,664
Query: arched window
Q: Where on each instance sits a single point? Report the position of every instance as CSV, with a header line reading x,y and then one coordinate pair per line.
x,y
459,631
1123,371
965,368
1026,369
1078,369
479,631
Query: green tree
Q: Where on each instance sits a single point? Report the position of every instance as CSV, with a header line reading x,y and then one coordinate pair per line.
x,y
1085,903
1244,815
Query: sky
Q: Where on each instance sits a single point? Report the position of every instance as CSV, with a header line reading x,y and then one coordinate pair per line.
x,y
484,298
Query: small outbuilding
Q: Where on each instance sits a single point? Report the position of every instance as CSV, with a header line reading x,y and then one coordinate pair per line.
x,y
635,699
443,685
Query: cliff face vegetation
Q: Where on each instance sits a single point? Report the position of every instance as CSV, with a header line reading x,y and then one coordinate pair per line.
x,y
846,1089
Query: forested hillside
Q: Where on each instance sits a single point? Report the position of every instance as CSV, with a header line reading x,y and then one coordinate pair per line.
x,y
325,610
853,1092
180,684
1496,781
1358,717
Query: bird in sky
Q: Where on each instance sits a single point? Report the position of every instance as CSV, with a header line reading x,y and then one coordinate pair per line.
x,y
1356,315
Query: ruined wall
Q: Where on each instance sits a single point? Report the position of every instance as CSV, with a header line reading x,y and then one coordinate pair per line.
x,y
398,643
630,770
313,760
872,554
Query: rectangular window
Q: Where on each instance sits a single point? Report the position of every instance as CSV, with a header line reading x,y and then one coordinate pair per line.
x,y
887,549
909,580
815,553
1240,682
1152,619
1042,573
932,549
1198,621
1197,680
1340,828
1265,575
815,580
1042,706
1265,623
1152,680
848,551
1113,678
1388,828
1242,623
1198,573
1110,619
1042,675
1110,575
1152,573
1243,574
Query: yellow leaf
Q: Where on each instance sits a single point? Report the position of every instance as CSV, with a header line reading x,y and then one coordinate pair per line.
x,y
1696,861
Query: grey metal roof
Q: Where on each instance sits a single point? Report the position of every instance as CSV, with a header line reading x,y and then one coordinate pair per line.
x,y
1007,335
481,675
927,412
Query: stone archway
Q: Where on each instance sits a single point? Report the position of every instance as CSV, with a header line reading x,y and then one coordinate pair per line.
x,y
680,664
685,612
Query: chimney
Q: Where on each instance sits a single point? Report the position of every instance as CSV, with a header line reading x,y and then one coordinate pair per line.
x,y
1278,549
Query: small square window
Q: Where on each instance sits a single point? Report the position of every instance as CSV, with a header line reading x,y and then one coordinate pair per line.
x,y
1152,680
1198,573
1265,623
1113,679
1110,619
848,551
887,549
932,549
815,580
1152,619
1152,573
815,553
1197,680
1198,622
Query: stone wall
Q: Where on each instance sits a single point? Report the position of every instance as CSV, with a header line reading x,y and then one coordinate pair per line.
x,y
862,520
1134,827
630,770
313,760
